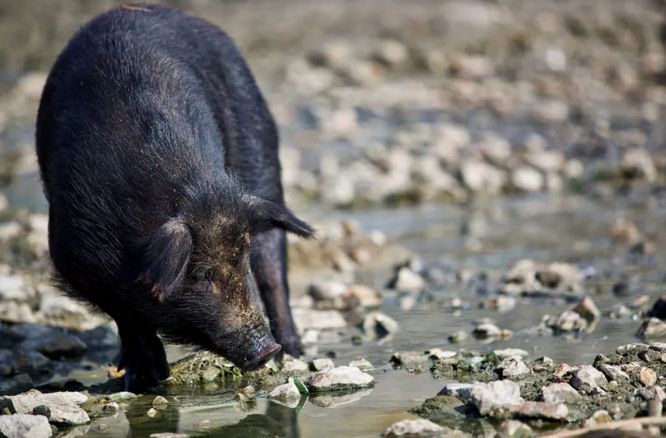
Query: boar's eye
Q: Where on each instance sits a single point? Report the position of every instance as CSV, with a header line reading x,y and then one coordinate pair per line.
x,y
265,215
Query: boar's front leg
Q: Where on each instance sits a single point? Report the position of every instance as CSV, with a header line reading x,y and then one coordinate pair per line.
x,y
142,355
269,266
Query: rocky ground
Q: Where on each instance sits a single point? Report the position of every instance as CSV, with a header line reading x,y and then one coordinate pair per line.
x,y
382,105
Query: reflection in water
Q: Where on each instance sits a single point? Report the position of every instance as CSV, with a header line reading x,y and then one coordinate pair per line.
x,y
278,421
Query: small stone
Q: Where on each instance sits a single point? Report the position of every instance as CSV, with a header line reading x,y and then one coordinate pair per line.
x,y
362,364
488,330
647,377
636,347
510,352
287,392
527,179
409,359
559,393
612,372
407,280
318,319
414,428
24,426
160,402
322,363
587,309
545,410
339,379
379,325
358,295
652,328
500,394
598,417
292,365
481,177
588,378
513,368
514,428
151,412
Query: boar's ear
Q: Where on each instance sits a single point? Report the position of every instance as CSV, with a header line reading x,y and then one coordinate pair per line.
x,y
265,215
166,258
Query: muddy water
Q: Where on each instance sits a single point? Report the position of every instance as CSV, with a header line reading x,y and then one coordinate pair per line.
x,y
487,237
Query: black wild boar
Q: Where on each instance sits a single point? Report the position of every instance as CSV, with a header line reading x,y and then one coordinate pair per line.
x,y
159,160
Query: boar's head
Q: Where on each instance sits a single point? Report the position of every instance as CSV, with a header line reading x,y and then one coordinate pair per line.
x,y
197,267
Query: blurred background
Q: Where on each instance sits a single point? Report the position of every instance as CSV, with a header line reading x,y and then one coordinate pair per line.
x,y
434,143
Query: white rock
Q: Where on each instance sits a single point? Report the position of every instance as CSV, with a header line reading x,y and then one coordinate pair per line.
x,y
318,319
361,364
379,325
527,179
64,406
322,363
587,378
408,281
286,392
481,177
414,428
511,352
612,372
24,426
339,379
500,394
13,287
513,368
559,393
293,365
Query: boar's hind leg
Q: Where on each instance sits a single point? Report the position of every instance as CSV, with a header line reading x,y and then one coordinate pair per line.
x,y
269,265
142,356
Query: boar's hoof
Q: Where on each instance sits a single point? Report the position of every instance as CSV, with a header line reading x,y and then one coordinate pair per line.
x,y
266,354
140,378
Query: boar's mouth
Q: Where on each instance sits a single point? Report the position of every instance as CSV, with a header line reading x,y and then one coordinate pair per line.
x,y
248,348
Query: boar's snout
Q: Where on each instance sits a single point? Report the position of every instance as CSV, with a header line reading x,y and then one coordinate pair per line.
x,y
249,348
267,352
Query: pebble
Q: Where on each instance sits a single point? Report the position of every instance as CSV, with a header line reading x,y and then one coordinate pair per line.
x,y
322,363
587,309
527,179
160,402
488,330
287,392
652,328
586,378
362,364
510,352
513,368
544,410
612,372
292,365
414,428
598,417
500,394
152,412
647,376
407,280
339,379
318,319
379,325
24,426
559,393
